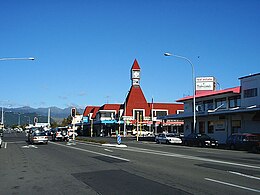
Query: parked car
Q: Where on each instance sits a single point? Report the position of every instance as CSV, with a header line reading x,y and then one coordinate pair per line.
x,y
142,133
60,133
168,138
71,132
244,141
1,141
198,139
38,137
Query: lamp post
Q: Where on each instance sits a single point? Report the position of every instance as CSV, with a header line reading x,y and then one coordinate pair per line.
x,y
193,85
3,59
125,115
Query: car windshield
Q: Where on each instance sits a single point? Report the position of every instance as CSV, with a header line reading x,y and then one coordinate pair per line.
x,y
170,135
203,136
253,138
40,134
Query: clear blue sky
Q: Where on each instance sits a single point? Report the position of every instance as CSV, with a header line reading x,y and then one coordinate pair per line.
x,y
84,49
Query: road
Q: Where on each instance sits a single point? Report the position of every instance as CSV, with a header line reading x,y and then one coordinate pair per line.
x,y
139,168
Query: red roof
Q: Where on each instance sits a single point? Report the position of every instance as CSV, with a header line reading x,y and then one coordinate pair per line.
x,y
136,100
110,107
135,65
171,107
235,90
95,110
88,110
91,109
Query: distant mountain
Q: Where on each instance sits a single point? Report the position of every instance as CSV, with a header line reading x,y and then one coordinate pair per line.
x,y
26,114
55,111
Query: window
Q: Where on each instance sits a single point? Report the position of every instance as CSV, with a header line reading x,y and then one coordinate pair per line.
x,y
105,114
235,126
201,127
199,107
234,102
208,105
210,127
140,114
250,93
221,103
161,113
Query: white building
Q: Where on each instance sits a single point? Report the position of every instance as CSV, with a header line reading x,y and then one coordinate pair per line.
x,y
220,113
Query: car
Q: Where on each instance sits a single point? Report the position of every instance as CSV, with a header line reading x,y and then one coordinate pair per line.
x,y
30,132
199,139
38,137
244,141
1,132
71,132
142,133
60,134
1,141
168,138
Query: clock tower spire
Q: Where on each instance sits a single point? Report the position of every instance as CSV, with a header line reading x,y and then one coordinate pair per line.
x,y
135,73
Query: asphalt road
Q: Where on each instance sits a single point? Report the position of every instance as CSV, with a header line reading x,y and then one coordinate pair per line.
x,y
139,168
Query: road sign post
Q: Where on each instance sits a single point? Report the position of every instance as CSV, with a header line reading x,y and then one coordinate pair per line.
x,y
118,139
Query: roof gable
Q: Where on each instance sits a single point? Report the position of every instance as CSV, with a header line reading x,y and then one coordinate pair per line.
x,y
136,100
89,109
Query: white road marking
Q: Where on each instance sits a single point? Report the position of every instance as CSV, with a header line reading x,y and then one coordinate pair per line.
x,y
30,146
108,150
84,150
161,153
115,145
233,185
244,175
16,142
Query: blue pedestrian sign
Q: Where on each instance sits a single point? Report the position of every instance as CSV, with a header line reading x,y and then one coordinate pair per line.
x,y
118,139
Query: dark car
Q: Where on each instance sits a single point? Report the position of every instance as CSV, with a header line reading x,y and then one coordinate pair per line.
x,y
199,139
244,141
60,133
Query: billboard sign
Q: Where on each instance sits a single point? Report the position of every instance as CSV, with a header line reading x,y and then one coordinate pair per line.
x,y
205,83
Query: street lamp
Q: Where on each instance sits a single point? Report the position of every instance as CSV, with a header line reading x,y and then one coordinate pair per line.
x,y
125,115
30,58
193,85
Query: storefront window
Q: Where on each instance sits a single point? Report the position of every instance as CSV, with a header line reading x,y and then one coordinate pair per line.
x,y
235,126
201,127
210,127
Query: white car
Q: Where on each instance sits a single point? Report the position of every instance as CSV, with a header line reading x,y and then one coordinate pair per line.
x,y
1,142
168,138
142,133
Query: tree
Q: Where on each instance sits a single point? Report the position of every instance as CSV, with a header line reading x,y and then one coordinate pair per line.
x,y
66,121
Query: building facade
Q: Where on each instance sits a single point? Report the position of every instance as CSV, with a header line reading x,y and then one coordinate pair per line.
x,y
220,113
135,114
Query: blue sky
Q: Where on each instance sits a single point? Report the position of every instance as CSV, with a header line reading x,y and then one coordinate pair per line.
x,y
84,49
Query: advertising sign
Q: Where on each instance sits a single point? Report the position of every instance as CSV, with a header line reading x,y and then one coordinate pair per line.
x,y
205,83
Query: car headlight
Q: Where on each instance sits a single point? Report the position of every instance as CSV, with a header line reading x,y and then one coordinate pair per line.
x,y
207,141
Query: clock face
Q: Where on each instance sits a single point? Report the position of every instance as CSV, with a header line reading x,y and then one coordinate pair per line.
x,y
136,74
135,82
